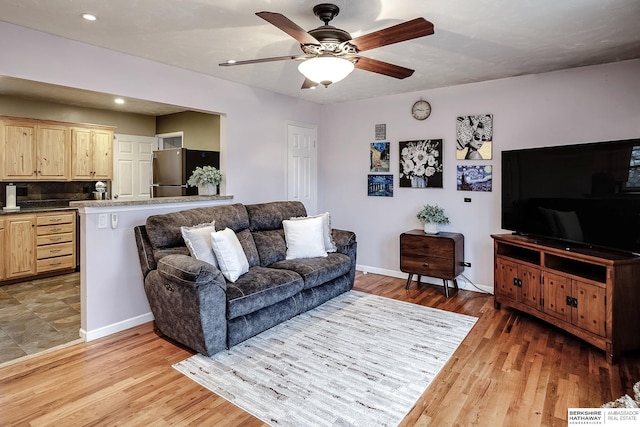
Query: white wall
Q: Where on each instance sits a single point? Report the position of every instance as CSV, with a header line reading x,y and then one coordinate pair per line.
x,y
587,104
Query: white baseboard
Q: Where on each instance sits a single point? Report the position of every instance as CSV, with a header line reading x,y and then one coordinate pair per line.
x,y
115,327
463,282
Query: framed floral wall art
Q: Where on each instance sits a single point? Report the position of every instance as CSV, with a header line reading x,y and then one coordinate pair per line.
x,y
474,178
474,137
421,163
380,185
379,155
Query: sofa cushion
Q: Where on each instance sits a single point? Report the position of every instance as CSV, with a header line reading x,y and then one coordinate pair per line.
x,y
163,230
270,245
259,288
232,260
329,244
317,271
198,241
249,247
304,238
161,253
269,216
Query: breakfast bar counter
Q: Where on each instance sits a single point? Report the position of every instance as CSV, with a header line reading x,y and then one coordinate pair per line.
x,y
141,202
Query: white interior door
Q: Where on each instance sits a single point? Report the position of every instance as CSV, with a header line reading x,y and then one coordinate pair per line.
x,y
132,156
302,165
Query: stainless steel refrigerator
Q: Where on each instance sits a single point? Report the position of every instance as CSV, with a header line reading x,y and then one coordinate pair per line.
x,y
172,168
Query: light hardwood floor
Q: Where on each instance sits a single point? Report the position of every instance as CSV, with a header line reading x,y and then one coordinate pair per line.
x,y
511,370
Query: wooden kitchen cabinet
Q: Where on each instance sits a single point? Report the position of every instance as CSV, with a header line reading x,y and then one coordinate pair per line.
x,y
435,255
35,150
92,154
590,293
20,245
56,241
41,244
2,249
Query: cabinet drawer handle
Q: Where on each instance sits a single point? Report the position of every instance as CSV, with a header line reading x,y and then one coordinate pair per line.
x,y
56,229
426,264
55,220
55,251
55,239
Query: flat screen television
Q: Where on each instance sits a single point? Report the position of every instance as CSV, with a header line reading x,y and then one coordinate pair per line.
x,y
583,194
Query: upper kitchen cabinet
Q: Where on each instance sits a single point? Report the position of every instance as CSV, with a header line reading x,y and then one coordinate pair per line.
x,y
92,154
34,150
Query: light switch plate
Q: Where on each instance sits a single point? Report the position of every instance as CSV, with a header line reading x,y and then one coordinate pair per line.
x,y
102,220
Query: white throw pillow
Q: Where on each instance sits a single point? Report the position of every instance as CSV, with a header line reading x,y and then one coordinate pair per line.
x,y
304,237
329,244
198,241
232,260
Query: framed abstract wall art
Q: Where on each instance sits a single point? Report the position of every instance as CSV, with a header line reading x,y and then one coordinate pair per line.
x,y
474,178
379,155
474,137
380,185
421,163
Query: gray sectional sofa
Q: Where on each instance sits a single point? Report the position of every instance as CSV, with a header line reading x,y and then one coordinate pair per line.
x,y
195,305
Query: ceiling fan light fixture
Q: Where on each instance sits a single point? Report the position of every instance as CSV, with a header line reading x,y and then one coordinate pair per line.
x,y
326,69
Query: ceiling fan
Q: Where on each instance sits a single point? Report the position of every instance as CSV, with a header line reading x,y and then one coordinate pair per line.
x,y
330,53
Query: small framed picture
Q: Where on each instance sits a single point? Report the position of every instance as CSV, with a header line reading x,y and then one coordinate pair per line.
x,y
474,177
380,185
474,137
379,157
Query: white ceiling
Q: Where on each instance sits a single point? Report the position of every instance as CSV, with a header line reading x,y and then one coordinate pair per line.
x,y
474,40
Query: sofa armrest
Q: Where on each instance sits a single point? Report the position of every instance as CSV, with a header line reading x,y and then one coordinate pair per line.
x,y
343,238
184,270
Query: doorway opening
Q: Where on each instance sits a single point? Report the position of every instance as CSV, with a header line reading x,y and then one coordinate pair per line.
x,y
167,141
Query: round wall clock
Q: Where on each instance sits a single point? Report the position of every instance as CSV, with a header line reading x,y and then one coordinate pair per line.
x,y
421,110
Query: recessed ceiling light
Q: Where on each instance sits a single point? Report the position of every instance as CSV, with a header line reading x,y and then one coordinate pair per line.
x,y
119,101
89,17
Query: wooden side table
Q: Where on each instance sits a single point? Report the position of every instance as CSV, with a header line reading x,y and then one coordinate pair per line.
x,y
436,255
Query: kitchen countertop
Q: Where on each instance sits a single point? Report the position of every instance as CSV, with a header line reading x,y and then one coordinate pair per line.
x,y
38,210
74,205
154,201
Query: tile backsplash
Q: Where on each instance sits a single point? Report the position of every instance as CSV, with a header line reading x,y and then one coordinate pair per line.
x,y
38,193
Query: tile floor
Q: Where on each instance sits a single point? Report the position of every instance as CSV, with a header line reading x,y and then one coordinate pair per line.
x,y
39,314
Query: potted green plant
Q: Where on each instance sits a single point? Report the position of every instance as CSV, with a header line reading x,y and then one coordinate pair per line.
x,y
432,216
207,179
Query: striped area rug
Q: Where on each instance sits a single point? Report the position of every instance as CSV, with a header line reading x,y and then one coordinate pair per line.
x,y
357,360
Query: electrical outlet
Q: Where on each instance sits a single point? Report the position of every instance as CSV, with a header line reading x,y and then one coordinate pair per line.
x,y
102,220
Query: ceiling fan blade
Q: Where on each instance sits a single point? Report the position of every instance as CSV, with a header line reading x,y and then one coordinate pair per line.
x,y
308,84
381,67
256,61
413,29
288,26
